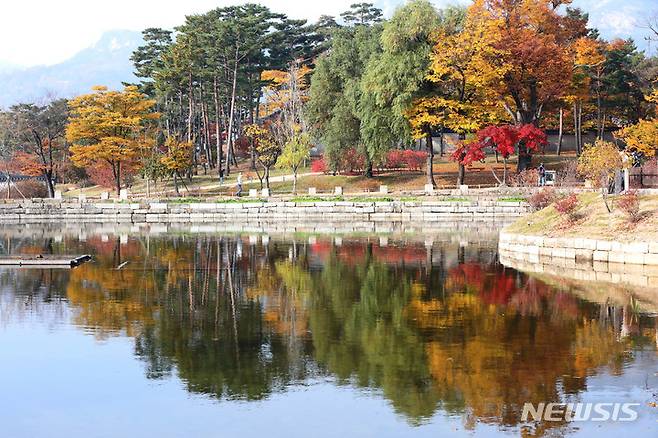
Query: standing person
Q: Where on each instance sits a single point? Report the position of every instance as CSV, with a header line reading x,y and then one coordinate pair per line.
x,y
239,181
221,177
542,175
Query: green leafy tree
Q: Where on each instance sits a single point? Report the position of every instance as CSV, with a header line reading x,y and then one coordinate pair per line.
x,y
336,99
397,76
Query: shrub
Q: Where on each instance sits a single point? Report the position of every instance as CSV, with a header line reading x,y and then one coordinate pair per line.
x,y
414,160
30,188
526,178
542,198
319,165
629,203
352,161
408,159
567,206
101,174
394,159
567,176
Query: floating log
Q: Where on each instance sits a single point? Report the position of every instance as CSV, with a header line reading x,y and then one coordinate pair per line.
x,y
44,261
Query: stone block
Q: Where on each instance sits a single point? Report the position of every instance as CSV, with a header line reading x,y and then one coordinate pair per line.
x,y
429,189
312,191
635,248
584,254
253,193
600,256
603,245
58,194
633,258
653,247
615,257
651,259
265,193
383,189
105,196
558,252
123,194
338,190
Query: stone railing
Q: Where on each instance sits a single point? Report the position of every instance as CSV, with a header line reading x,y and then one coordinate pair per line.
x,y
532,248
46,210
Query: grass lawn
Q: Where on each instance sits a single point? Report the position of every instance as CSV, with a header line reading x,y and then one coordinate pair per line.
x,y
594,221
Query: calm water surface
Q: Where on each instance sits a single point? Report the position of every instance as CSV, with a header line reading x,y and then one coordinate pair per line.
x,y
228,335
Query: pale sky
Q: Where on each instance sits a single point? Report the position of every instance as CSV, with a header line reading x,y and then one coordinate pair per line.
x,y
35,32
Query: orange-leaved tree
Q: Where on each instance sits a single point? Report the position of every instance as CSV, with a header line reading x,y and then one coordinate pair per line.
x,y
465,73
533,42
109,127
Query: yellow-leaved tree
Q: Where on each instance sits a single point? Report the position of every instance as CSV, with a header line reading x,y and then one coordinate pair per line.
x,y
465,73
599,162
642,137
110,127
178,158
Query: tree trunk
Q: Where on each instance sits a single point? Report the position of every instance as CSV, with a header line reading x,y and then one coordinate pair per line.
x,y
267,178
231,115
430,158
461,173
580,129
561,132
190,107
524,159
48,175
117,177
504,170
176,183
368,170
441,142
218,129
575,125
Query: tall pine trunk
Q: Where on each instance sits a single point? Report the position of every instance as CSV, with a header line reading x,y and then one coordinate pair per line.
x,y
231,115
218,130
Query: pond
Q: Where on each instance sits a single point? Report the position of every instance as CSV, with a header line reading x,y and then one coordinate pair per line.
x,y
209,334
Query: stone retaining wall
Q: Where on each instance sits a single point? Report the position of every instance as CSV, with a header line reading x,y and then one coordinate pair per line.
x,y
345,211
583,270
531,248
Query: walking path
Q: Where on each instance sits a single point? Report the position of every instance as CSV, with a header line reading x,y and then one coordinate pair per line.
x,y
280,178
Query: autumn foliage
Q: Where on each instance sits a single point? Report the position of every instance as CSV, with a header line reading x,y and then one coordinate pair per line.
x,y
567,206
629,203
319,165
108,127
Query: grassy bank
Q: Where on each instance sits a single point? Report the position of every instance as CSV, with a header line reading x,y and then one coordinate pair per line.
x,y
592,220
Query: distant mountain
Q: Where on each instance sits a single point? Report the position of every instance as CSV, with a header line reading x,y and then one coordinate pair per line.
x,y
105,63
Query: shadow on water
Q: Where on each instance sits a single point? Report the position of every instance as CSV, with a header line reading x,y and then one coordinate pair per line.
x,y
432,324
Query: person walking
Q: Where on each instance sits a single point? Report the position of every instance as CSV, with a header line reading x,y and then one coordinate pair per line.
x,y
542,175
239,181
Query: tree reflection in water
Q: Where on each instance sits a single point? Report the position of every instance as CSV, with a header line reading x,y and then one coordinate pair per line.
x,y
430,327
